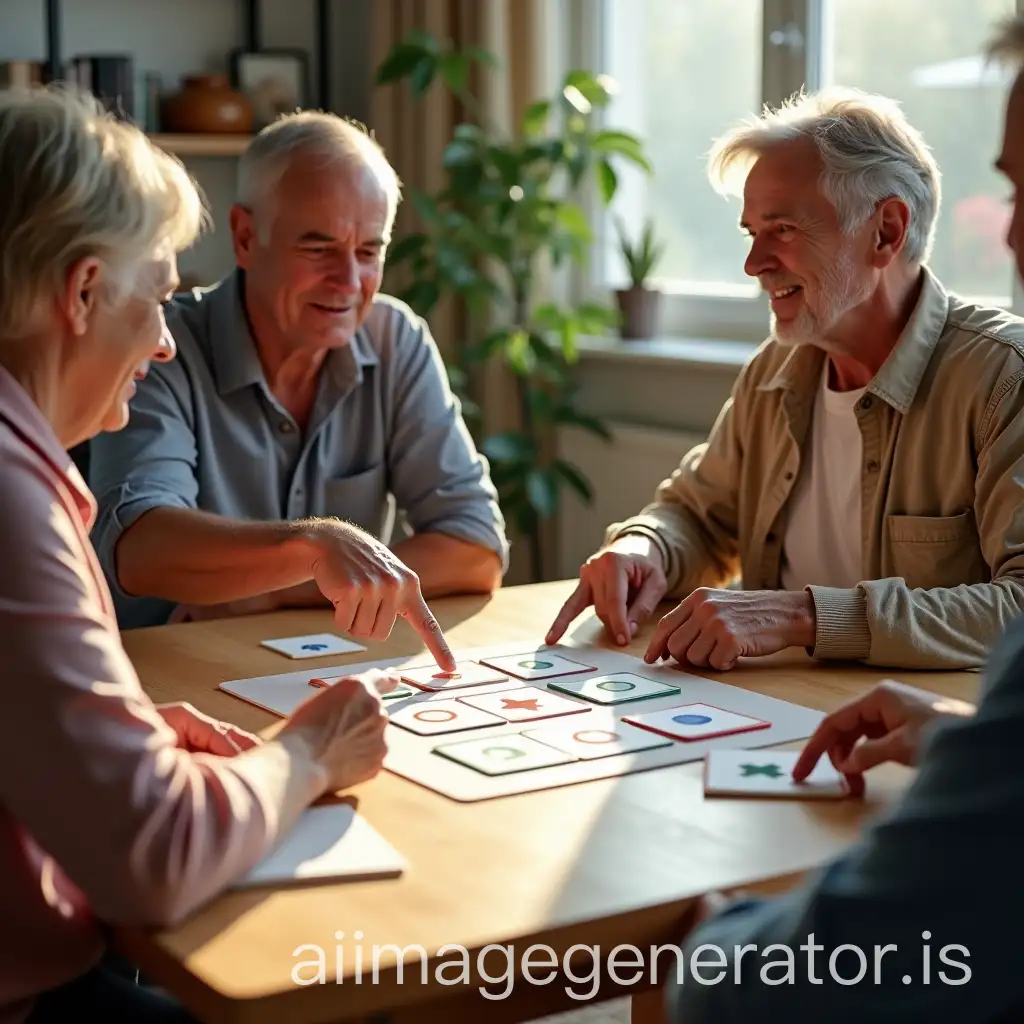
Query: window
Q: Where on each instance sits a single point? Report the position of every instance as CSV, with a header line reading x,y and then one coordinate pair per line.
x,y
689,69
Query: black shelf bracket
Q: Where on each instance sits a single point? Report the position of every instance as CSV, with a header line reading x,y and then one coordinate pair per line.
x,y
54,67
251,24
323,48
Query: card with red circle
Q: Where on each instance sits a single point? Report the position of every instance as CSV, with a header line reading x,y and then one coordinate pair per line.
x,y
467,673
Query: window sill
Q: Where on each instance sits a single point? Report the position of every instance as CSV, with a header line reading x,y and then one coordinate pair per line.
x,y
708,353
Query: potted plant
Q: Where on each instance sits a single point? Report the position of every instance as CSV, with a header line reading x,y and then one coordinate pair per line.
x,y
508,210
639,304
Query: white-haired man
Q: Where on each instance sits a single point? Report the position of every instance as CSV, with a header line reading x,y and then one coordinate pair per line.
x,y
901,928
263,467
865,479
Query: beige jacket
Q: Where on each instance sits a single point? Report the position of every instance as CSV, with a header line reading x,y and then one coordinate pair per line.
x,y
942,483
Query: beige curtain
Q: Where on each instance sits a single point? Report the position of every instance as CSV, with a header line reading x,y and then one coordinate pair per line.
x,y
414,134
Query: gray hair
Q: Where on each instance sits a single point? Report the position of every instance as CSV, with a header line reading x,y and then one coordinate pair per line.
x,y
76,182
869,150
336,140
1007,43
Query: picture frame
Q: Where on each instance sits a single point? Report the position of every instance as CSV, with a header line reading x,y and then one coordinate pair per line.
x,y
275,81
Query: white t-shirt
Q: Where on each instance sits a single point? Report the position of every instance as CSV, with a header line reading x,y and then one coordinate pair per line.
x,y
822,544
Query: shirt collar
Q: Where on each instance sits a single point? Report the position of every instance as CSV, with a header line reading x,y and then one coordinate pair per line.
x,y
900,375
26,420
236,362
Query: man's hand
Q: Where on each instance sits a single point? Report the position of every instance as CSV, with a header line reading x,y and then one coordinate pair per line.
x,y
342,728
624,582
370,587
714,628
201,734
888,719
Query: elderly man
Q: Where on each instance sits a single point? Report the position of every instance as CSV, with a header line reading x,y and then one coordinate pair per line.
x,y
263,468
866,477
900,929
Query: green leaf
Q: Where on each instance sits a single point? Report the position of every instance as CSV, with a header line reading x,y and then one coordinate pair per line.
x,y
425,207
535,120
423,74
574,477
623,144
481,56
459,152
542,490
569,331
455,71
400,62
548,317
424,40
607,181
422,296
405,248
593,319
594,88
508,447
519,353
574,221
591,424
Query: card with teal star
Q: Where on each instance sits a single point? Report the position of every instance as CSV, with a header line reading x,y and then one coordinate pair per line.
x,y
754,773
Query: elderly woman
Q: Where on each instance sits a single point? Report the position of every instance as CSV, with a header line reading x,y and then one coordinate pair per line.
x,y
112,811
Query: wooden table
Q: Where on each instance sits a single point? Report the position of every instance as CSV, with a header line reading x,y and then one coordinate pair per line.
x,y
604,863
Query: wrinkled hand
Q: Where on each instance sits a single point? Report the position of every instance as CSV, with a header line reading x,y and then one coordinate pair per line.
x,y
883,725
202,734
370,588
343,728
714,628
624,582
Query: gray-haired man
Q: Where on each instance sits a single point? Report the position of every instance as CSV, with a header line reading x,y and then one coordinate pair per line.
x,y
917,922
264,466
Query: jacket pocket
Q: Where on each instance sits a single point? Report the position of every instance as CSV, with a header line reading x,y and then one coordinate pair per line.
x,y
937,551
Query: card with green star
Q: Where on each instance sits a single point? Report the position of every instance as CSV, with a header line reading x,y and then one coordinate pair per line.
x,y
758,773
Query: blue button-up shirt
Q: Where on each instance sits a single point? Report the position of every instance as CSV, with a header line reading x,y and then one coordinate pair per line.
x,y
205,432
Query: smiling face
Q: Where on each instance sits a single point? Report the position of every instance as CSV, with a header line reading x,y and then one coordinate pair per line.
x,y
115,342
816,276
314,258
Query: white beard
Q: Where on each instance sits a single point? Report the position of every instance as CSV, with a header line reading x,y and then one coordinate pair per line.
x,y
838,293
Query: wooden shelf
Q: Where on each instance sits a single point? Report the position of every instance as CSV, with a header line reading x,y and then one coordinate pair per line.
x,y
202,145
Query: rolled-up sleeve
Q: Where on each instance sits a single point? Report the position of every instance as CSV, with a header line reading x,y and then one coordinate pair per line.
x,y
436,474
151,465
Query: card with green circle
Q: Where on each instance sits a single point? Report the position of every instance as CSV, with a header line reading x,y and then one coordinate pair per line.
x,y
504,753
618,688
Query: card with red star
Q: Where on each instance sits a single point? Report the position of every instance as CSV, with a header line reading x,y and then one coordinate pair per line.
x,y
525,704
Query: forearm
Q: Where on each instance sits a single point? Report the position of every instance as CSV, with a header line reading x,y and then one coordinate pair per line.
x,y
888,624
449,565
196,558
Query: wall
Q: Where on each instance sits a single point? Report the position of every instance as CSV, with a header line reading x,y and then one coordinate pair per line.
x,y
659,398
176,37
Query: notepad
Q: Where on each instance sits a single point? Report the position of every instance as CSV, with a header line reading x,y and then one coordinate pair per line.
x,y
330,842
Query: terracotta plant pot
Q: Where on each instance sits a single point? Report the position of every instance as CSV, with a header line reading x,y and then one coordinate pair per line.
x,y
207,105
640,308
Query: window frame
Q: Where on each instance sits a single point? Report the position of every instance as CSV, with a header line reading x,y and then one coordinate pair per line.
x,y
794,49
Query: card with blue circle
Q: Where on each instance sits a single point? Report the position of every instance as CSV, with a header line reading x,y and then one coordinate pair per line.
x,y
689,722
316,645
619,688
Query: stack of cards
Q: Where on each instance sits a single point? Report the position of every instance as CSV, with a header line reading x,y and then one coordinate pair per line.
x,y
316,645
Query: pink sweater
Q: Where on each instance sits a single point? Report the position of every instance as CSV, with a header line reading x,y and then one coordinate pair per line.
x,y
102,817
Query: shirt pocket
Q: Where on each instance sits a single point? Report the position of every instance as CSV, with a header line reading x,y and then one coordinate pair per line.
x,y
937,551
359,498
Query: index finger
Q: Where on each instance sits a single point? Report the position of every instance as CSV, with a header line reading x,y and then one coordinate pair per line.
x,y
579,600
830,731
420,617
666,627
615,593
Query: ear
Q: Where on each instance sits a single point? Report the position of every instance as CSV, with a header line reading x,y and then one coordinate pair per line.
x,y
892,222
243,234
81,293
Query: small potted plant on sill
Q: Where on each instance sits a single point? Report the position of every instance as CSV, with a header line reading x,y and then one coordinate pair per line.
x,y
639,304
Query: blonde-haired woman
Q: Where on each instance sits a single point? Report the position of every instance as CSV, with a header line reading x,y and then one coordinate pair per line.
x,y
112,811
